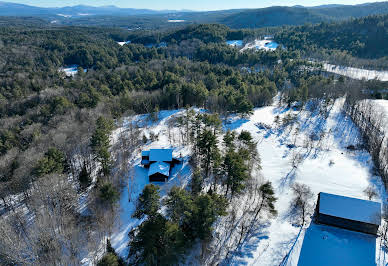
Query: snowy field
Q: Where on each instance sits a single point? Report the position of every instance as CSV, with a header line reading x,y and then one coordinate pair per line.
x,y
123,43
235,43
356,73
327,166
266,44
71,71
330,168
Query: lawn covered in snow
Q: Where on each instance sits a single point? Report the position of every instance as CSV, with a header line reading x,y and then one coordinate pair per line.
x,y
326,166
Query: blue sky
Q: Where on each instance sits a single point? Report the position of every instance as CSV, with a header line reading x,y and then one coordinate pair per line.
x,y
186,4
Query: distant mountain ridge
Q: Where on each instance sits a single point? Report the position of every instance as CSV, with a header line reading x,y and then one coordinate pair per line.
x,y
14,9
234,18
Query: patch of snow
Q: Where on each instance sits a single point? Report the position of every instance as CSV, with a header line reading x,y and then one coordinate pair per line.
x,y
71,71
356,73
176,20
266,44
123,43
64,15
384,105
235,43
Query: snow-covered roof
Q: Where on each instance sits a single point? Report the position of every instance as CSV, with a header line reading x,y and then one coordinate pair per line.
x,y
160,155
350,208
159,167
145,153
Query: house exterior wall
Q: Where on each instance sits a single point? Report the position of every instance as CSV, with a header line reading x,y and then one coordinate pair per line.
x,y
158,177
347,224
344,223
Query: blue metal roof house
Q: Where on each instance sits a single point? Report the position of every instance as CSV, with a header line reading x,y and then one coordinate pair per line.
x,y
348,213
159,162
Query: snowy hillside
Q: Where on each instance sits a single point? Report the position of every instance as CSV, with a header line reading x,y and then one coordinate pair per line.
x,y
318,135
356,73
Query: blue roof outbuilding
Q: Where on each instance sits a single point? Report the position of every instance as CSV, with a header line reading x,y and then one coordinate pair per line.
x,y
161,155
159,167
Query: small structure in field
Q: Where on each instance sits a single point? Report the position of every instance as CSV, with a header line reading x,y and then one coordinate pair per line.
x,y
348,213
159,162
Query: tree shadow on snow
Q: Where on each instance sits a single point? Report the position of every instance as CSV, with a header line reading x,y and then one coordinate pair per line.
x,y
249,248
234,123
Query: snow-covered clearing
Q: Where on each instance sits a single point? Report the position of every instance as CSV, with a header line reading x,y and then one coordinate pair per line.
x,y
123,43
266,44
356,73
235,43
327,166
71,71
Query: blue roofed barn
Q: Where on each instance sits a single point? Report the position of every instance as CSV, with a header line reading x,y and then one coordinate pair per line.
x,y
160,155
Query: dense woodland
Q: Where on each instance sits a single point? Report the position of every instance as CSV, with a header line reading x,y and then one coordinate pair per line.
x,y
55,130
364,46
